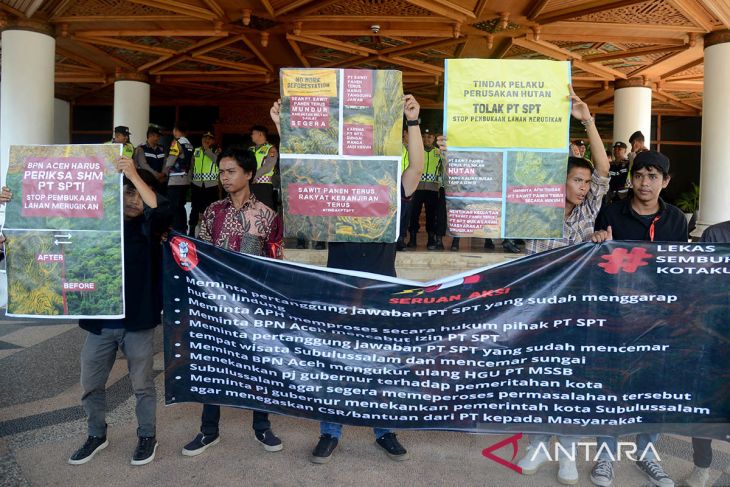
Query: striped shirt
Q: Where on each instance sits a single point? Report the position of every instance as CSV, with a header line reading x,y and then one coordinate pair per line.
x,y
578,226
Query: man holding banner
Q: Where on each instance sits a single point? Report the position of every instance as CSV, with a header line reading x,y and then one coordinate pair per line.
x,y
643,216
240,223
377,258
584,191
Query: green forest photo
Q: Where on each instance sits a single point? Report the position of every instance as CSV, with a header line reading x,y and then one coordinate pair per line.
x,y
42,261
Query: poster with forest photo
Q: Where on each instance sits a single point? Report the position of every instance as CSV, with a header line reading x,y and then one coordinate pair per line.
x,y
63,227
507,124
341,154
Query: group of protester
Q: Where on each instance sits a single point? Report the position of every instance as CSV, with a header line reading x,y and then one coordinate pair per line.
x,y
246,220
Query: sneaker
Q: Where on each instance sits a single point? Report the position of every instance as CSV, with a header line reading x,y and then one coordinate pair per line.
x,y
533,460
323,451
568,472
88,450
270,441
200,444
392,447
698,478
655,473
602,473
145,451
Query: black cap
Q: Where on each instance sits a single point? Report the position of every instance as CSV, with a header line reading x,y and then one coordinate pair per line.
x,y
428,131
651,158
121,129
153,129
579,143
209,134
620,144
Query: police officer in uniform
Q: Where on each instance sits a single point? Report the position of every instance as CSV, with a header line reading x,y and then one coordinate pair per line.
x,y
177,168
150,156
121,136
204,189
266,157
427,193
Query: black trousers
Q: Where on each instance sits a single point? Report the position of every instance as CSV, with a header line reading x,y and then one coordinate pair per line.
x,y
177,195
200,199
212,415
429,199
702,452
441,217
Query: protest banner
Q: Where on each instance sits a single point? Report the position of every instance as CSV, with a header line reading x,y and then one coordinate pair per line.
x,y
589,340
507,126
341,154
64,231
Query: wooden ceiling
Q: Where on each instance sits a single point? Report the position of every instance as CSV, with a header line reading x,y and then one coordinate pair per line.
x,y
212,51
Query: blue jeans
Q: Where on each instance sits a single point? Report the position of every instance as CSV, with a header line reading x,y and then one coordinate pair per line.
x,y
335,430
642,441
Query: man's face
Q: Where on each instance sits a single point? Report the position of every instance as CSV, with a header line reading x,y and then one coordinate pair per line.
x,y
577,185
581,150
207,141
233,177
153,139
619,153
428,139
648,183
119,138
133,204
176,133
258,137
636,145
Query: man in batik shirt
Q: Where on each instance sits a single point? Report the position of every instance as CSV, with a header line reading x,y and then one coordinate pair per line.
x,y
243,224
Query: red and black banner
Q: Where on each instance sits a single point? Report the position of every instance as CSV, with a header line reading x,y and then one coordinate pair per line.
x,y
617,338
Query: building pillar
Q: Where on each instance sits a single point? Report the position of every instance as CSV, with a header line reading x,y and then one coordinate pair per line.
x,y
132,105
27,86
715,165
631,110
61,122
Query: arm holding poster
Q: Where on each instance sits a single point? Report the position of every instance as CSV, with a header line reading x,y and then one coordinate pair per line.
x,y
412,175
5,196
581,112
126,166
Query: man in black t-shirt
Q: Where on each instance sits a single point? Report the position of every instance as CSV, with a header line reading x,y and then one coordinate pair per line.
x,y
643,216
375,258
